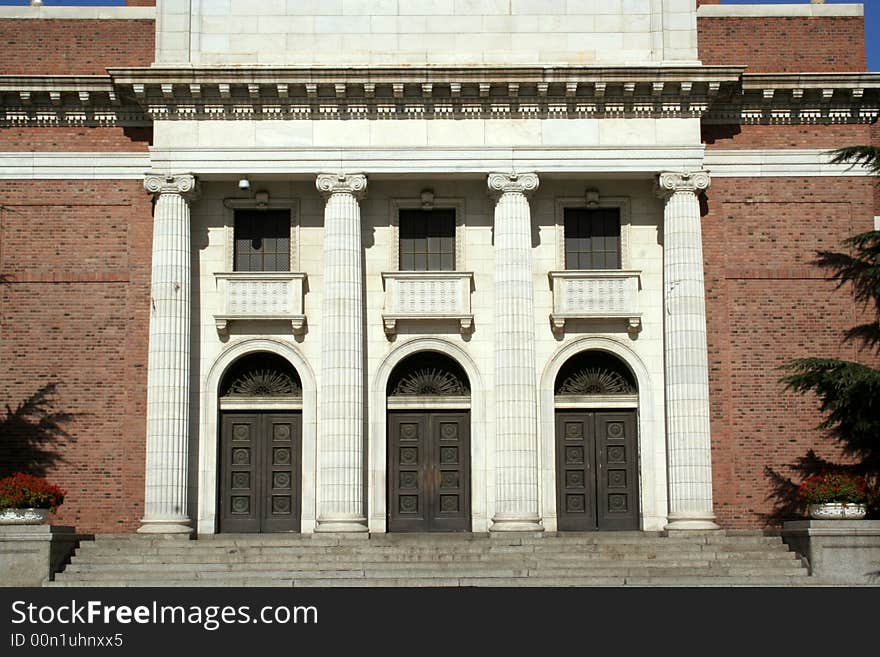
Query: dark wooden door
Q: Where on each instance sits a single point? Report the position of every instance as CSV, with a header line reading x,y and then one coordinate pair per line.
x,y
429,472
596,470
260,466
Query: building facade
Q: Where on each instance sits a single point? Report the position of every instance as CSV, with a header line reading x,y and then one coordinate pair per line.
x,y
424,266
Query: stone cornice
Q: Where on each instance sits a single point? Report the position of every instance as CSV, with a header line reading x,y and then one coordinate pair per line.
x,y
716,94
800,98
512,183
341,183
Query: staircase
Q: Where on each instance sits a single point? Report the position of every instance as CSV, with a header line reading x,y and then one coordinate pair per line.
x,y
606,559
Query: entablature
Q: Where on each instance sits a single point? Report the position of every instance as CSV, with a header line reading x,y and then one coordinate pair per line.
x,y
717,94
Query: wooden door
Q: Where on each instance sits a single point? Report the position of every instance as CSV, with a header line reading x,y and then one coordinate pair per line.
x,y
596,470
260,466
429,471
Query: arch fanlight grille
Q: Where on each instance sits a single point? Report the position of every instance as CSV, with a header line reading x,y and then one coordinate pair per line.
x,y
264,383
595,381
431,381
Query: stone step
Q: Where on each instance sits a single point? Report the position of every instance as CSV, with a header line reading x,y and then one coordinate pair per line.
x,y
334,561
199,548
783,581
608,559
428,572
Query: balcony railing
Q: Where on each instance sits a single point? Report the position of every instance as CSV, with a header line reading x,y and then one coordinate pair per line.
x,y
260,296
595,294
418,295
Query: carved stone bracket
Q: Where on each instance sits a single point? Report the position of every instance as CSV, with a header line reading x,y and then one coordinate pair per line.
x,y
389,324
671,182
185,185
297,324
557,325
341,183
512,183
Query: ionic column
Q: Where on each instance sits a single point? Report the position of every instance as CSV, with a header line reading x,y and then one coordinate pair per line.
x,y
687,371
169,356
341,431
516,432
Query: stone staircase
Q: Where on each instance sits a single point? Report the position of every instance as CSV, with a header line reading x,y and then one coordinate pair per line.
x,y
606,559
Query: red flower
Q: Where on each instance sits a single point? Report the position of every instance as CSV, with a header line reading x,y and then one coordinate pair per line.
x,y
830,488
24,491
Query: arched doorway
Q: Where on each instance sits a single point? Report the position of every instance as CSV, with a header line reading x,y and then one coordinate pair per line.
x,y
428,445
596,405
260,456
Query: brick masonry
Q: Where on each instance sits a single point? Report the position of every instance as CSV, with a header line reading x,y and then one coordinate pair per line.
x,y
783,44
76,140
766,304
74,310
74,47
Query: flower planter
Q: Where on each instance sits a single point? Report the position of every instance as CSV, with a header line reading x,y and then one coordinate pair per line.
x,y
837,511
23,516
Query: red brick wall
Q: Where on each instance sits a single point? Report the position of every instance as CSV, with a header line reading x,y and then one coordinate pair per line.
x,y
74,309
785,136
784,44
141,3
60,139
74,47
766,305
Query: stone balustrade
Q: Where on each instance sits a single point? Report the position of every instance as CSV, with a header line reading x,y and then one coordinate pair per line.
x,y
595,294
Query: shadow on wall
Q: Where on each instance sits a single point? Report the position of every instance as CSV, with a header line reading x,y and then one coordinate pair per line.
x,y
787,504
32,434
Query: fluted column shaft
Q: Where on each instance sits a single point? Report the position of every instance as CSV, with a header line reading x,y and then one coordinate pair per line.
x,y
341,441
687,370
169,355
516,435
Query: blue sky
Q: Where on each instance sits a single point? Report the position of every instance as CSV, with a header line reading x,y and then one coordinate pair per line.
x,y
872,17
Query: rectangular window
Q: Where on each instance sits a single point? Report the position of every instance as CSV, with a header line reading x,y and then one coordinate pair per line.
x,y
592,238
262,240
427,240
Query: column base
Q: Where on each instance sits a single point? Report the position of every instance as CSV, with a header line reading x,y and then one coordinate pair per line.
x,y
178,525
341,523
516,523
691,523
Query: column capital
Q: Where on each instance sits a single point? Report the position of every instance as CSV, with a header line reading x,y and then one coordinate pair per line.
x,y
342,183
184,184
670,182
512,183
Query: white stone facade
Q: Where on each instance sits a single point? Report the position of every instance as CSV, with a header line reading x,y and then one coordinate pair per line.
x,y
509,179
426,32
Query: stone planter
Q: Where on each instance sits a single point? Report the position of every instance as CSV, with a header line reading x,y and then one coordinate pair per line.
x,y
23,516
837,511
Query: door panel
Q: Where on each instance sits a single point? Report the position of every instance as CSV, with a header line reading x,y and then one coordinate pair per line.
x,y
429,471
408,454
616,455
260,457
596,471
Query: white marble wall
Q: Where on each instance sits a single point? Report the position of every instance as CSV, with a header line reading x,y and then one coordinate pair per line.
x,y
426,32
645,353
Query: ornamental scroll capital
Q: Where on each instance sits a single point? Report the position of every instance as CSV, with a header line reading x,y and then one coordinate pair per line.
x,y
512,183
342,183
671,182
185,185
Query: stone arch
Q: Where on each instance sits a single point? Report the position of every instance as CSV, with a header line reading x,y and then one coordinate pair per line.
x,y
207,477
651,429
378,430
